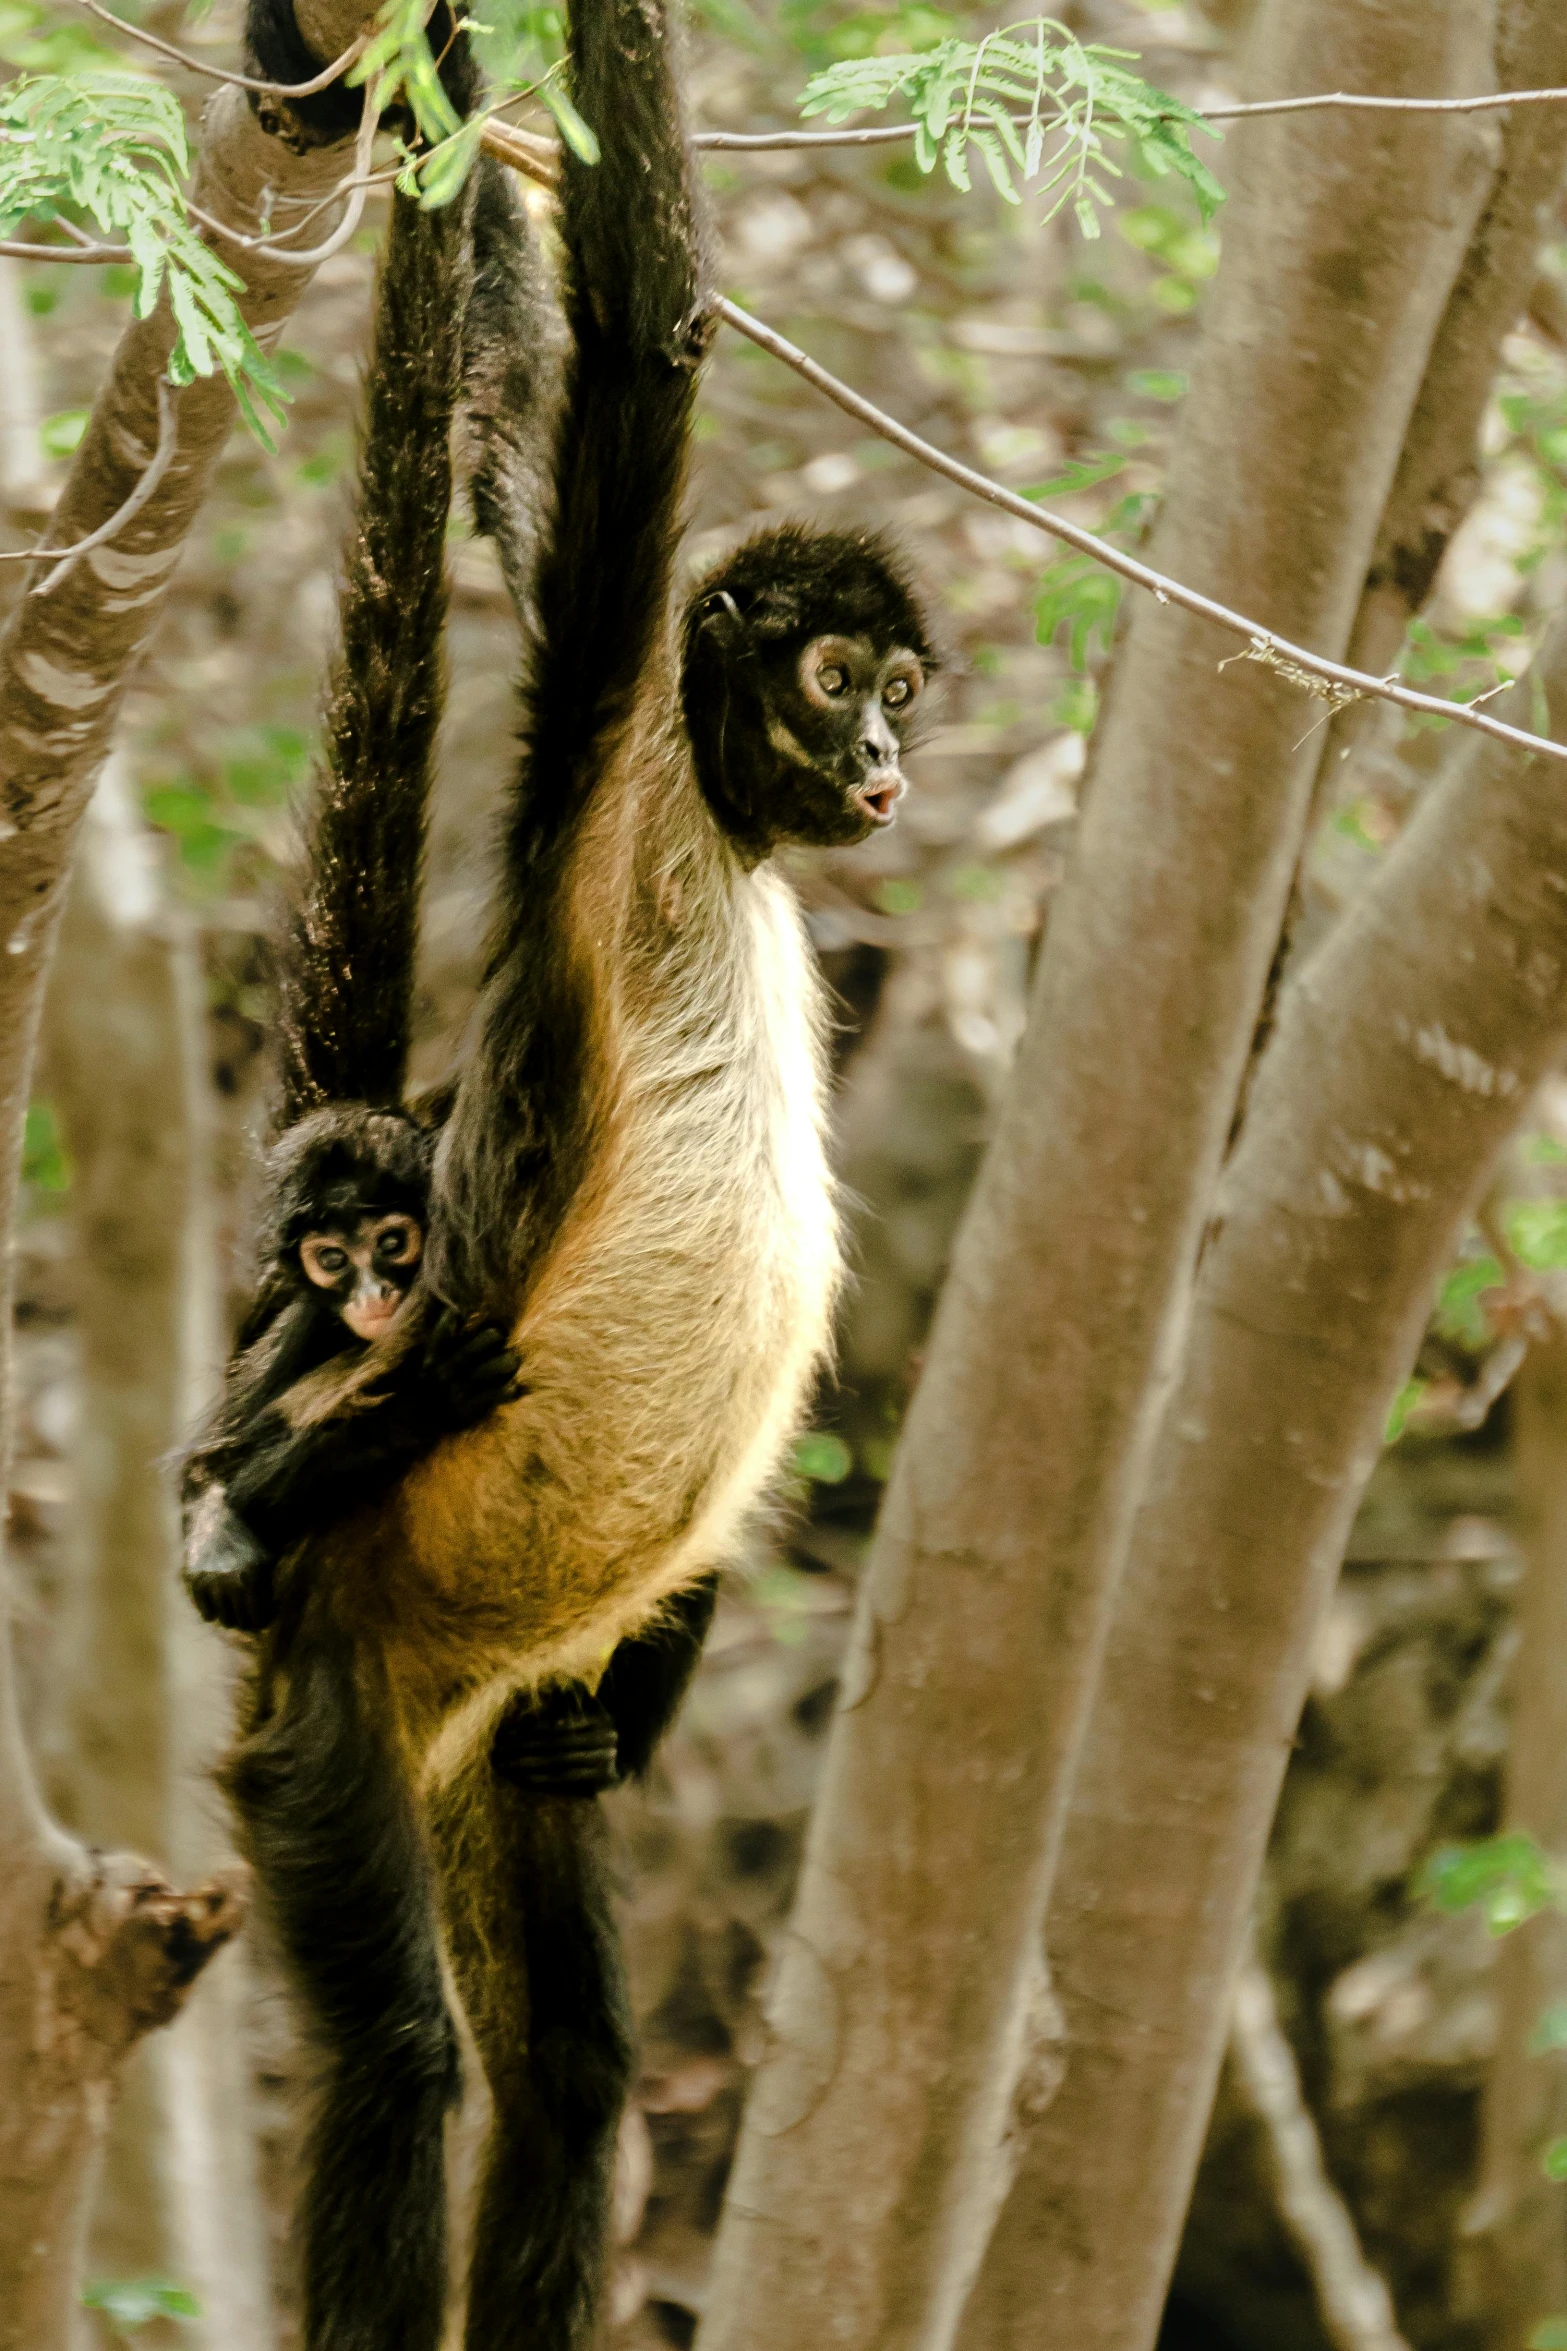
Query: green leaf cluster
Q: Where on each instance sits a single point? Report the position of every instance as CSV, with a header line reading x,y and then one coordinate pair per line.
x,y
1508,1879
1078,593
113,146
212,818
130,2303
964,95
45,1167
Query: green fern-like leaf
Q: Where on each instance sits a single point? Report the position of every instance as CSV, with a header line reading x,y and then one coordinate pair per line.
x,y
962,94
112,146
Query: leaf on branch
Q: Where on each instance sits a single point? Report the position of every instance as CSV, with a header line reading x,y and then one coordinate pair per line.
x,y
112,146
1508,1879
400,61
1072,98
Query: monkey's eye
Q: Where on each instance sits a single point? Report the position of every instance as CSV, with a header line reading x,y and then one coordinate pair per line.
x,y
398,1241
896,693
833,678
324,1262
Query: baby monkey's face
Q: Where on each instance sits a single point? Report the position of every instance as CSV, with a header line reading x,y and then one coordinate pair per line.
x,y
366,1267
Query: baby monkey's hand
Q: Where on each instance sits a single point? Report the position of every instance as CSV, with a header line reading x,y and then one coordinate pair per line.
x,y
469,1370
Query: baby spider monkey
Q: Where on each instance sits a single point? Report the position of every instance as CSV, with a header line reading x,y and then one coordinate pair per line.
x,y
347,1206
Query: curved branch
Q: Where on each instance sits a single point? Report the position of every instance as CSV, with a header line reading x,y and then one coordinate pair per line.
x,y
1343,684
162,459
216,73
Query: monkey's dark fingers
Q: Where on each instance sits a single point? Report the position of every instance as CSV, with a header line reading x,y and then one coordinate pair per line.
x,y
557,1769
240,1600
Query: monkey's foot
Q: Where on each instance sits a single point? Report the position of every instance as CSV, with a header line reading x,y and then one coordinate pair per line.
x,y
561,1744
231,1581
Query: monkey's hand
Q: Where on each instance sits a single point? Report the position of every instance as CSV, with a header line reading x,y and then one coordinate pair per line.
x,y
228,1572
468,1371
562,1743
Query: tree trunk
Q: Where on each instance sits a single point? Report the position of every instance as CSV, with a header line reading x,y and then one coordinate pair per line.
x,y
95,1951
1519,2215
125,1039
878,2144
1406,1052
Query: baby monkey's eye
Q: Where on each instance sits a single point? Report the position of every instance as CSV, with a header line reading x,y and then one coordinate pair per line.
x,y
896,692
323,1261
833,678
393,1245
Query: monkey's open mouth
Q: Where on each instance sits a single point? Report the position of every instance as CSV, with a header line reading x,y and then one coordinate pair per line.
x,y
879,797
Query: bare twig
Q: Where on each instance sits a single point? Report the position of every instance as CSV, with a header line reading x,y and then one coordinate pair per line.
x,y
356,187
888,134
162,459
1336,683
1356,2308
216,73
68,253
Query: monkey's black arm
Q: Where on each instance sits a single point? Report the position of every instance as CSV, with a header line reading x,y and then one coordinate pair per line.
x,y
346,978
637,299
273,1483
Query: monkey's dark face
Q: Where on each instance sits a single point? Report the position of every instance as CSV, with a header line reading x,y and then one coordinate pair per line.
x,y
365,1267
804,674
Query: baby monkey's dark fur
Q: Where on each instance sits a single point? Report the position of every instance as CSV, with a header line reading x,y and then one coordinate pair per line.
x,y
632,1182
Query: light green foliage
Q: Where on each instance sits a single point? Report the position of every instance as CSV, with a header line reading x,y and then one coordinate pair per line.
x,y
399,58
45,1167
1551,2031
897,896
61,433
131,2303
42,40
1537,1233
1549,2335
1507,1879
1403,1405
963,95
113,146
213,818
1157,383
1460,1302
1077,706
822,1457
1077,593
1463,667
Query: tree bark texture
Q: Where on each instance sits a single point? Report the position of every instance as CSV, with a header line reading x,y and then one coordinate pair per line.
x,y
125,1048
95,1951
1405,1054
879,2140
1519,2216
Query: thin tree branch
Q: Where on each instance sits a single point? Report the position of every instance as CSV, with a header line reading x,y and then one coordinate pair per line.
x,y
162,459
888,134
85,254
1263,644
216,73
1356,2307
359,182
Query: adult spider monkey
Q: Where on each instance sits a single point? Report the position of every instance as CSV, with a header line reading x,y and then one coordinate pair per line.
x,y
632,1179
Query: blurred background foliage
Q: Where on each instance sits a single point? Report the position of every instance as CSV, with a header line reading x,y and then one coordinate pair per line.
x,y
1056,361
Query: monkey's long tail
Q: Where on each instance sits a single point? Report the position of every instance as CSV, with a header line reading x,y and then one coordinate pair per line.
x,y
559,2083
325,1815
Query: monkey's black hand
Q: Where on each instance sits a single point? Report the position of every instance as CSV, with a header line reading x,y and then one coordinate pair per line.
x,y
562,1743
468,1370
230,1577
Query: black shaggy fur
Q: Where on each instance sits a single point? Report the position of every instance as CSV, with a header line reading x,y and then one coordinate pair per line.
x,y
347,966
637,305
276,53
334,1843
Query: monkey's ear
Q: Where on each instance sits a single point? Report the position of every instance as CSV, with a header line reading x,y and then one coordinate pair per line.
x,y
718,616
